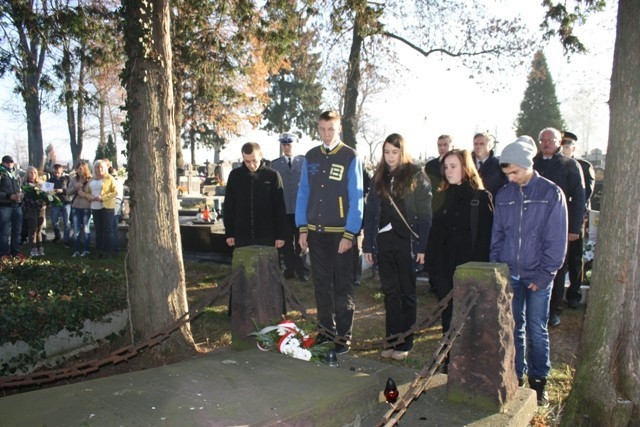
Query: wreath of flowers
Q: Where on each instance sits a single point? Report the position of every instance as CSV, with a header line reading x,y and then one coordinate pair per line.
x,y
288,339
35,193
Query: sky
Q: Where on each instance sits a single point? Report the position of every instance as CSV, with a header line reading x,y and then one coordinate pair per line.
x,y
435,97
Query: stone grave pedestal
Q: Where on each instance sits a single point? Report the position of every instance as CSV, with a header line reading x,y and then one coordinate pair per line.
x,y
257,294
482,368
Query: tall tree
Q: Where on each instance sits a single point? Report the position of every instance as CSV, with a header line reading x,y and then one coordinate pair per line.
x,y
484,43
87,51
539,107
224,54
26,27
606,388
155,267
70,33
106,62
295,94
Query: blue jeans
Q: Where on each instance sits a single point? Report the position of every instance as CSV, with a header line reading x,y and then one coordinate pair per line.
x,y
10,227
81,219
531,313
56,213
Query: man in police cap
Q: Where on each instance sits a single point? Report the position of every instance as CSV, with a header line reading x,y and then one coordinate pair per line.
x,y
289,166
574,249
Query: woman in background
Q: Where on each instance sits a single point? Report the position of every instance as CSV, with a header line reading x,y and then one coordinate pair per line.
x,y
102,195
33,209
462,221
396,226
80,209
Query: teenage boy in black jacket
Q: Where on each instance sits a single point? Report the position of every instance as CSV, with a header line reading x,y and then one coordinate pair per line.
x,y
254,209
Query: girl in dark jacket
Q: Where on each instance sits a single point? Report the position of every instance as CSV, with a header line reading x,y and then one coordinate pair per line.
x,y
462,221
389,234
33,209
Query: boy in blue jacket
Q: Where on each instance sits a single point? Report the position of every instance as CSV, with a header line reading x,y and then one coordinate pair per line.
x,y
529,234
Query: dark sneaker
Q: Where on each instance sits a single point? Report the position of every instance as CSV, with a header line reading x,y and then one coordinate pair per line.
x,y
56,238
520,382
539,384
554,320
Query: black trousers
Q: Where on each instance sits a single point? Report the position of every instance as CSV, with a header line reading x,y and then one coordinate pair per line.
x,y
103,223
573,265
443,284
293,262
333,282
398,280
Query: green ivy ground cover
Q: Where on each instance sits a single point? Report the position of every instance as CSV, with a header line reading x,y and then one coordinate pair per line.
x,y
39,297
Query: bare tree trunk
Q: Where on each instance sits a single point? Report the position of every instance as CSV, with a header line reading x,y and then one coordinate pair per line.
x,y
178,113
193,149
606,390
31,98
81,104
155,268
69,99
351,90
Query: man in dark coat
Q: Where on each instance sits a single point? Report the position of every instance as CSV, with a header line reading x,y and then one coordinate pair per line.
x,y
10,208
566,174
254,210
487,164
432,168
574,249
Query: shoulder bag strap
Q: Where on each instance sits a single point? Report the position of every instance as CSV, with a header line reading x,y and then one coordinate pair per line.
x,y
402,217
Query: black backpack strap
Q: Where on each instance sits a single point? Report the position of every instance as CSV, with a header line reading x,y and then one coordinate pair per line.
x,y
475,203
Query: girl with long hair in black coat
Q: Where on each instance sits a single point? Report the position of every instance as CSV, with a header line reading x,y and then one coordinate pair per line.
x,y
396,228
462,221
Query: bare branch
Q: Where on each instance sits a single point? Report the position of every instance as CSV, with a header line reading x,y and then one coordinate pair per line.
x,y
426,53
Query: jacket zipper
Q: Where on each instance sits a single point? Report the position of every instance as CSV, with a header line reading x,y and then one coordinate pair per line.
x,y
520,232
251,216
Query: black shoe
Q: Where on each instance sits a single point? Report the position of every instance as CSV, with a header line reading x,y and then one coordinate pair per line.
x,y
554,320
288,274
520,382
539,384
444,368
573,304
342,349
56,238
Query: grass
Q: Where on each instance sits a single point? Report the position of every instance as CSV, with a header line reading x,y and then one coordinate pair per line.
x,y
211,330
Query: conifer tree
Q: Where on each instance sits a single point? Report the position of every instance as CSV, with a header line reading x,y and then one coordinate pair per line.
x,y
539,107
110,151
295,93
101,151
